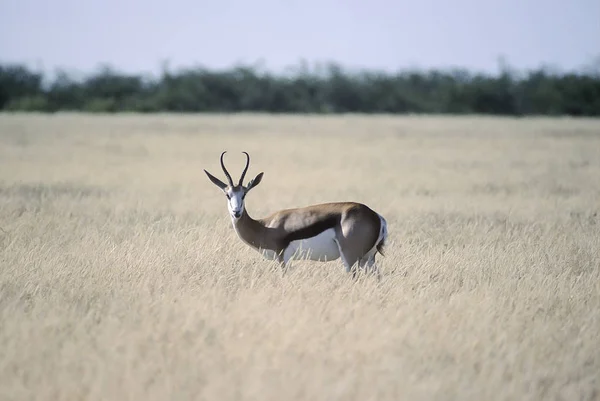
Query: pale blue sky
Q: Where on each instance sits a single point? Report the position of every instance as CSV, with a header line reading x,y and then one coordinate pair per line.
x,y
135,35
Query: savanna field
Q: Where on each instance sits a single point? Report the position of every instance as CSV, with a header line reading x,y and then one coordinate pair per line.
x,y
121,277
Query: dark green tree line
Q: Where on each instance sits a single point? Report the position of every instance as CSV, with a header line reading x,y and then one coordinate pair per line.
x,y
333,90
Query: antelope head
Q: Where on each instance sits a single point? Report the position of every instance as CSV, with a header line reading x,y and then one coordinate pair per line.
x,y
235,193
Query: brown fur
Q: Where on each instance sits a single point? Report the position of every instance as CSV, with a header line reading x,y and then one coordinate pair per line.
x,y
276,231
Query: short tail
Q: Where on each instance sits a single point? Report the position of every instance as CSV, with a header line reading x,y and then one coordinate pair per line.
x,y
381,246
383,233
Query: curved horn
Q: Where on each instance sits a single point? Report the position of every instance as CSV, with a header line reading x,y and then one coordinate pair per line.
x,y
225,170
245,168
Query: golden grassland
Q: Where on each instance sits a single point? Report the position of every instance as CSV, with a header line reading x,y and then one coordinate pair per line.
x,y
121,277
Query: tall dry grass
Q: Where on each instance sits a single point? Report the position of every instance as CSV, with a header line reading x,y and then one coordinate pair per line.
x,y
122,278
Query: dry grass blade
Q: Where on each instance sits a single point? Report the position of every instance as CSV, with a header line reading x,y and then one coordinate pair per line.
x,y
121,276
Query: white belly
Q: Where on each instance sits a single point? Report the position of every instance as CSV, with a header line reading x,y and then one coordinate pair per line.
x,y
322,247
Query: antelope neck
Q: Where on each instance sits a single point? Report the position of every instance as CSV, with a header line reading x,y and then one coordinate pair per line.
x,y
250,231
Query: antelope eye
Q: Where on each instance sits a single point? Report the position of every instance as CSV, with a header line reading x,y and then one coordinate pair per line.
x,y
228,197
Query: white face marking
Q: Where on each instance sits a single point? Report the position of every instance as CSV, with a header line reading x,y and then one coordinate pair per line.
x,y
322,247
235,202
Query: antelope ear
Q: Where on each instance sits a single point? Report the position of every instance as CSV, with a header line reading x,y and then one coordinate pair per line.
x,y
254,182
215,180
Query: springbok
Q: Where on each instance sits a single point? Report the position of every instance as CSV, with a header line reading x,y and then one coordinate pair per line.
x,y
322,232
